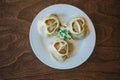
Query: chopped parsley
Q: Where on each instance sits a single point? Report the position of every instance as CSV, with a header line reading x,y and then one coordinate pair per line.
x,y
63,33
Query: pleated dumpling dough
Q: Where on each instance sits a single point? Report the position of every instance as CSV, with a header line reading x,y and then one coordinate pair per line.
x,y
60,50
78,28
51,23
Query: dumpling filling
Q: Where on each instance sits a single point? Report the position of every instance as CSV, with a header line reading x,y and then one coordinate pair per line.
x,y
60,50
51,23
78,28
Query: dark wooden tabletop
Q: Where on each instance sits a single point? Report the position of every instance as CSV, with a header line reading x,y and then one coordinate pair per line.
x,y
18,62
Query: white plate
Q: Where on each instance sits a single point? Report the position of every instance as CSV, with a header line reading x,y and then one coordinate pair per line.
x,y
84,47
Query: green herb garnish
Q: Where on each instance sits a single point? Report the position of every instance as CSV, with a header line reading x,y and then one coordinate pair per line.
x,y
63,33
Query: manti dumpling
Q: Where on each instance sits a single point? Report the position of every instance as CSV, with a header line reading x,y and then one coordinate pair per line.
x,y
78,28
60,50
51,23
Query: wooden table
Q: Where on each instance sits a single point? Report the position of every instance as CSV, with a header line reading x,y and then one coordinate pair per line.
x,y
18,62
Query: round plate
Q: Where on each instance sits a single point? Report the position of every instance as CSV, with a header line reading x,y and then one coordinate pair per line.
x,y
84,47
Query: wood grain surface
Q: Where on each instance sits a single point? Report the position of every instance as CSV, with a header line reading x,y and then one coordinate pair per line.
x,y
18,62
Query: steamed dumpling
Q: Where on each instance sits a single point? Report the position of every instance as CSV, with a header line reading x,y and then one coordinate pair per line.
x,y
78,28
60,50
51,24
